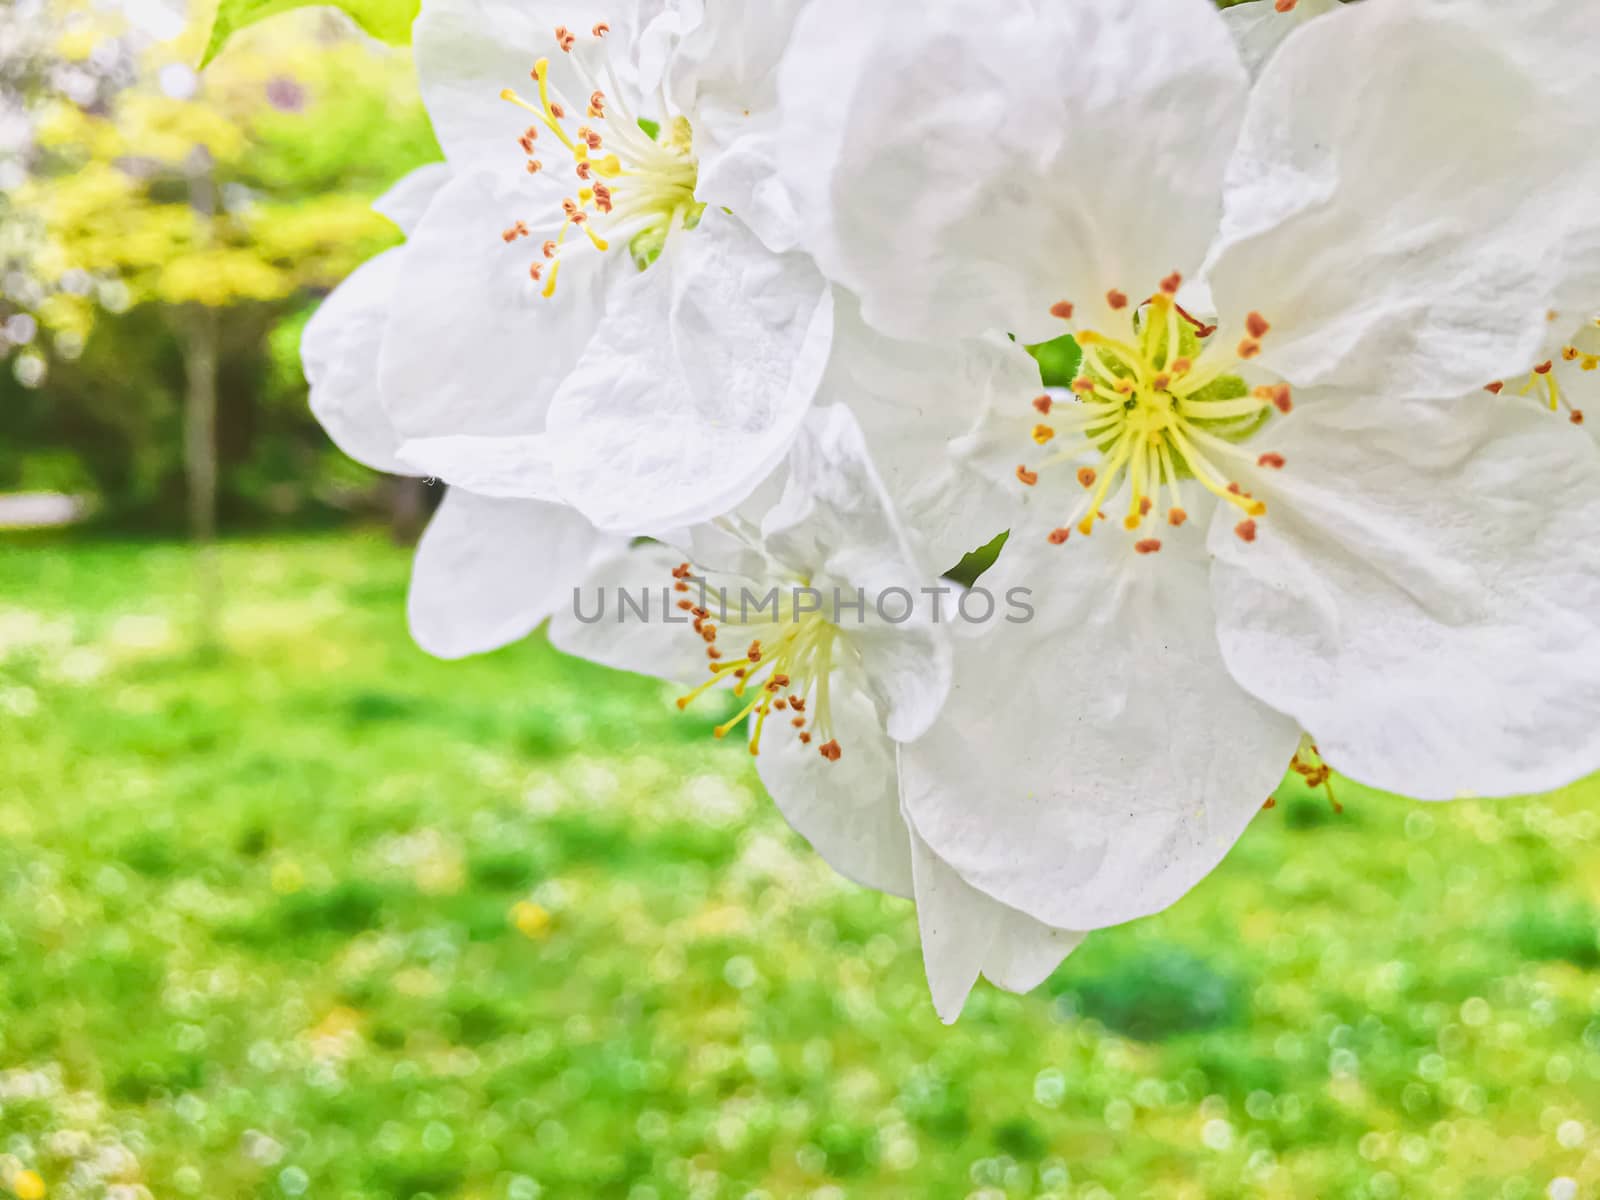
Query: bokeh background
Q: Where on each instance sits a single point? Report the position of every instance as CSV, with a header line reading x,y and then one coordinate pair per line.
x,y
289,910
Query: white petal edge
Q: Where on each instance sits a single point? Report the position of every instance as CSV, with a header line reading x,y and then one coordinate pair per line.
x,y
339,351
963,166
695,384
848,810
966,933
1093,765
1396,246
1423,594
407,201
489,572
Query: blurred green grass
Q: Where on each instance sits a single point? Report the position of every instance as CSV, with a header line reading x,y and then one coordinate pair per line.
x,y
316,916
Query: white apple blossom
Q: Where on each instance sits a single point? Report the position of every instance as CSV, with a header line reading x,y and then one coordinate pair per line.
x,y
1260,26
807,608
601,306
488,570
1328,524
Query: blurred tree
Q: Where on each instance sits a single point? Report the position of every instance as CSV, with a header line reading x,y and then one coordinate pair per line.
x,y
172,226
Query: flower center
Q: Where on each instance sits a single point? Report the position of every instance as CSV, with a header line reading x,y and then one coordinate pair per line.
x,y
1156,406
635,178
786,672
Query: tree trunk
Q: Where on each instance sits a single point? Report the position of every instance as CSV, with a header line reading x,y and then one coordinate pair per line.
x,y
408,510
200,361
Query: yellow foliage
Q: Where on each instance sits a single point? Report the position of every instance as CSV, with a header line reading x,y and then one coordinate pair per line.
x,y
123,193
217,278
167,131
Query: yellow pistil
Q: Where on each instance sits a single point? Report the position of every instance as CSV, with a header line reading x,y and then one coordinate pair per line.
x,y
634,187
1158,407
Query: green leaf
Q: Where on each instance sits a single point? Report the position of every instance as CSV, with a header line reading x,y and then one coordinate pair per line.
x,y
387,20
969,569
1058,360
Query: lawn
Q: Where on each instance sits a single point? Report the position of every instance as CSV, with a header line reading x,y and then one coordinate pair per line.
x,y
316,916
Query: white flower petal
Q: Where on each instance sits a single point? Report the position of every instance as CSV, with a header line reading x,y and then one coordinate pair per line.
x,y
917,403
725,75
472,347
1093,765
645,632
339,351
694,385
1423,594
964,166
1403,244
511,468
408,200
848,810
488,572
1258,27
965,933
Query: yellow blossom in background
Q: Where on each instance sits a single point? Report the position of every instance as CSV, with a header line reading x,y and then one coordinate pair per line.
x,y
532,920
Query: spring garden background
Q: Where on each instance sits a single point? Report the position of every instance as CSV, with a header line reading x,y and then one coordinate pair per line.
x,y
288,909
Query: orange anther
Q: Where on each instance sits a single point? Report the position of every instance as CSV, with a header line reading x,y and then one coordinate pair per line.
x,y
1544,367
1248,348
1062,310
1043,404
1026,477
1176,517
831,751
1275,461
601,30
1059,537
1117,300
1495,388
1246,531
565,38
1172,283
1148,546
1086,476
1257,325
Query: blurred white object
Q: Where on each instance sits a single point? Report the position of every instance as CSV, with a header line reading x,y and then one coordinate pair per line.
x,y
41,510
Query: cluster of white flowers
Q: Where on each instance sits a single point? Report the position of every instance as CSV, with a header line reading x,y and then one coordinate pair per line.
x,y
720,299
